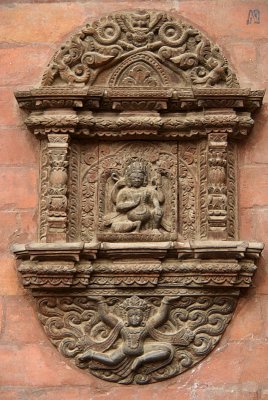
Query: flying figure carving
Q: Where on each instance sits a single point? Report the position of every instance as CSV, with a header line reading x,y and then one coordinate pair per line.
x,y
141,342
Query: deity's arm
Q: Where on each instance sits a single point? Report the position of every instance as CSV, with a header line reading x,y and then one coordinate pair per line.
x,y
118,186
157,196
124,202
156,202
163,312
161,316
108,318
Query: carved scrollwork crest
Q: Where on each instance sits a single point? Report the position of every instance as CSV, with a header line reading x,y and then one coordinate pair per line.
x,y
187,55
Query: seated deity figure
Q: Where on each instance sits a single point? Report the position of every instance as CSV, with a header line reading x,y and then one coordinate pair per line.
x,y
134,329
138,205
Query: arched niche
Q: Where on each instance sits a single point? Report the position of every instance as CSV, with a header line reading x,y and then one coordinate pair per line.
x,y
139,265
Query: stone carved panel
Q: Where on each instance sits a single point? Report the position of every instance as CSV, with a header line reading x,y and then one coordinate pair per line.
x,y
44,174
188,189
89,191
137,196
231,187
129,209
185,54
138,265
135,339
74,203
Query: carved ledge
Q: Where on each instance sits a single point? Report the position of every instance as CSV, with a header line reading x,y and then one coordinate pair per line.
x,y
120,99
143,125
105,265
138,266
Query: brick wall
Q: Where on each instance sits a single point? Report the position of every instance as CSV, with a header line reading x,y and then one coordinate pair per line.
x,y
30,367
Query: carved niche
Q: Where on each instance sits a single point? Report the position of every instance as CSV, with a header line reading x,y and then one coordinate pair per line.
x,y
138,265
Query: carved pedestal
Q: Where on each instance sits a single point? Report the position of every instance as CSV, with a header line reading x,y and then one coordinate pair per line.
x,y
138,266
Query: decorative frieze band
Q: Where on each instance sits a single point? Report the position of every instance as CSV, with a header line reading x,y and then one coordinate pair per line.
x,y
150,126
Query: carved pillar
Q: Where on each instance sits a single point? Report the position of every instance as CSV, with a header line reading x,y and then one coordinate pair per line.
x,y
217,187
57,191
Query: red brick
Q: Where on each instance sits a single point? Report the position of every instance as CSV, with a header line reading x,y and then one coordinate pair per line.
x,y
68,393
264,394
92,9
17,227
255,367
264,314
10,284
87,393
228,19
117,393
223,366
262,70
11,394
29,23
247,321
1,317
225,394
10,113
254,149
8,228
172,393
38,365
253,186
261,276
18,147
19,187
247,224
242,363
27,226
242,58
262,224
23,65
22,325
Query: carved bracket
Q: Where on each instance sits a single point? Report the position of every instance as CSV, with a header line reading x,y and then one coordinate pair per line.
x,y
138,266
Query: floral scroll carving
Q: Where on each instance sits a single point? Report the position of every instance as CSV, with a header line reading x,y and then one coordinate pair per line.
x,y
139,266
154,338
109,41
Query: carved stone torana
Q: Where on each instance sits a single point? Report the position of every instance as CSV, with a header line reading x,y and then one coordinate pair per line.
x,y
138,266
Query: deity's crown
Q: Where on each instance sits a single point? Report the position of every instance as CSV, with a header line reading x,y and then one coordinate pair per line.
x,y
136,165
135,302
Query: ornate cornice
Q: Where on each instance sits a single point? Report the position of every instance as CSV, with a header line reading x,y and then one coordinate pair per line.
x,y
154,126
65,265
175,99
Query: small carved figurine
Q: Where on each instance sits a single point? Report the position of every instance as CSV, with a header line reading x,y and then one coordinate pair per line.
x,y
137,332
138,204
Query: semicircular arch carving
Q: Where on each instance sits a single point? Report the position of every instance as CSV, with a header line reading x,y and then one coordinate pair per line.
x,y
189,58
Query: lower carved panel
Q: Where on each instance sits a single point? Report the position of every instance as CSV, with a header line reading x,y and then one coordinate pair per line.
x,y
136,339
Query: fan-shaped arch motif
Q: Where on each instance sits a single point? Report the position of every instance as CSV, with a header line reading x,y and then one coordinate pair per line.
x,y
186,55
